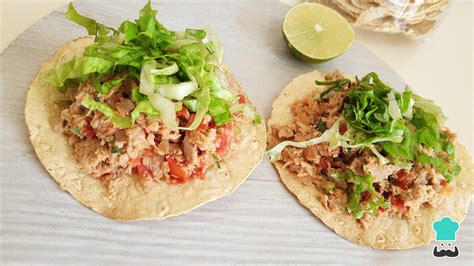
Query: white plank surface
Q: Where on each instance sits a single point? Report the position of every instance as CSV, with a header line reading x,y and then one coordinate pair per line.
x,y
260,223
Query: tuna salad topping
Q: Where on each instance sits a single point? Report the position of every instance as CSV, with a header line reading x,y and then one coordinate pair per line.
x,y
368,149
148,102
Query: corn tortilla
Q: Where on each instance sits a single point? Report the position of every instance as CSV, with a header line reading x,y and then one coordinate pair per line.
x,y
163,200
387,233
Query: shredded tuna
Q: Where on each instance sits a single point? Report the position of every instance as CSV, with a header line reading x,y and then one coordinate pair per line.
x,y
112,154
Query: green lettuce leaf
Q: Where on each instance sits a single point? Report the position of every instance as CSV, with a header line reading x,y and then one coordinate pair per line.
x,y
137,96
104,88
153,35
430,107
166,109
92,26
362,183
144,106
203,98
117,53
330,135
219,111
76,68
405,149
115,118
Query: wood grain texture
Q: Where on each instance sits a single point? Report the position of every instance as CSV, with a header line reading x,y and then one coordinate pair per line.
x,y
260,223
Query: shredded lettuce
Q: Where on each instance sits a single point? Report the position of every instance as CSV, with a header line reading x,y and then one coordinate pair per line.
x,y
177,91
107,86
92,26
145,107
362,183
219,111
214,45
173,68
393,108
191,104
248,112
116,119
77,67
406,103
137,96
119,54
406,149
166,109
330,135
147,79
166,71
203,98
430,107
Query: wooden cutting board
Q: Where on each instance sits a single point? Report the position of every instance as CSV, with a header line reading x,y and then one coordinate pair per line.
x,y
260,223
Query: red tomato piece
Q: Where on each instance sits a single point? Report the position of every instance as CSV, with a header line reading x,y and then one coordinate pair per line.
x,y
177,170
136,161
400,184
202,126
342,128
398,202
183,112
365,196
242,99
404,179
224,143
191,119
212,124
324,163
198,173
143,171
88,131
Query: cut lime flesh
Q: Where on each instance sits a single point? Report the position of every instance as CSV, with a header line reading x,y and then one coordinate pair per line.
x,y
315,32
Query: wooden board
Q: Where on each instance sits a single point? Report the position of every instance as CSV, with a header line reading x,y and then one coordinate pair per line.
x,y
260,223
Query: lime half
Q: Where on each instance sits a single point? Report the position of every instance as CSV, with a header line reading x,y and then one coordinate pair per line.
x,y
315,32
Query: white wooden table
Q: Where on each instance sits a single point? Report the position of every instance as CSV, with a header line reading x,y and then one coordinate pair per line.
x,y
260,223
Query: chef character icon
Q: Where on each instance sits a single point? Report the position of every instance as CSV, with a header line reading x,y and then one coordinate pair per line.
x,y
445,230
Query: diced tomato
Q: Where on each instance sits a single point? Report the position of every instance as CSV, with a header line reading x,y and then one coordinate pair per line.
x,y
183,112
88,131
198,172
400,184
365,196
398,202
177,180
324,164
202,126
191,119
443,182
404,179
382,209
342,128
242,99
224,143
136,161
143,171
212,124
177,170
